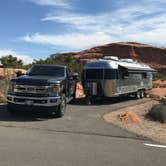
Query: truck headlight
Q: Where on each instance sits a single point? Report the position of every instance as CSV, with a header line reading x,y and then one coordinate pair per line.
x,y
11,87
54,89
57,88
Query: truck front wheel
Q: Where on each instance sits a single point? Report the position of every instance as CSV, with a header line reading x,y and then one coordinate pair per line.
x,y
10,110
62,107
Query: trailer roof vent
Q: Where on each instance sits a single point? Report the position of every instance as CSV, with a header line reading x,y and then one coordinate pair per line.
x,y
127,60
115,58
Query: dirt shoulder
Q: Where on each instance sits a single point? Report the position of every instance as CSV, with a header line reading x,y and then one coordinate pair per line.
x,y
144,127
159,89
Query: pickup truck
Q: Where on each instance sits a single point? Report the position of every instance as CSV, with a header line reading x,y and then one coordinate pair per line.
x,y
43,88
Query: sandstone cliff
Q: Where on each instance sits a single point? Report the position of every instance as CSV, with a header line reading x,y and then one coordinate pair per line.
x,y
151,55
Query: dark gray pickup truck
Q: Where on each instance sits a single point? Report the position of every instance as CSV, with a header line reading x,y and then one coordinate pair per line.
x,y
43,88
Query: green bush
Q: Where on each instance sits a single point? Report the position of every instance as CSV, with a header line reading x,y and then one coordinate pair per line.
x,y
158,113
2,100
159,77
163,101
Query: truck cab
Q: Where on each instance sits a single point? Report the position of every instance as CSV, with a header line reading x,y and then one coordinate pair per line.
x,y
43,88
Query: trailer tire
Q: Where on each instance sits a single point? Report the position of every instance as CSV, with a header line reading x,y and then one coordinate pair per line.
x,y
142,94
138,95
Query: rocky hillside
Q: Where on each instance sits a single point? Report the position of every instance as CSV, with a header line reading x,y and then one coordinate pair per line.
x,y
154,56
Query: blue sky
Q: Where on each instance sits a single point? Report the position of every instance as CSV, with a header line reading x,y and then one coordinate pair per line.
x,y
33,29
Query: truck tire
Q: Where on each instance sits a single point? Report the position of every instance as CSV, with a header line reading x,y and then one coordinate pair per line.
x,y
10,110
62,107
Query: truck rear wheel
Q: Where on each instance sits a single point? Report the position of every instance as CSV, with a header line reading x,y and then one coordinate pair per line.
x,y
62,107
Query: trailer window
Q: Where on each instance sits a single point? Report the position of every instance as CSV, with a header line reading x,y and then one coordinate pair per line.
x,y
110,74
149,75
94,74
144,75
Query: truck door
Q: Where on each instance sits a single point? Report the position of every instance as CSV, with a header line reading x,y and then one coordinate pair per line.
x,y
71,87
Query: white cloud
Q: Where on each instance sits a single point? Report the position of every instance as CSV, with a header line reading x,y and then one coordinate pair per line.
x,y
140,22
70,18
75,41
26,59
56,3
135,15
143,22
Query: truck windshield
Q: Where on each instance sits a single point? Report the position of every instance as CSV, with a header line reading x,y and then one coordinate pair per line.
x,y
57,71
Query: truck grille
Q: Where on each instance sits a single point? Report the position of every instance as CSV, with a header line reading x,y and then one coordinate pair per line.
x,y
31,95
31,91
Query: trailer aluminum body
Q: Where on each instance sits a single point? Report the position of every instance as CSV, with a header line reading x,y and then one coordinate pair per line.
x,y
110,77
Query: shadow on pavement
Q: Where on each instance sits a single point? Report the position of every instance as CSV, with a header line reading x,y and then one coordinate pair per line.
x,y
23,116
102,101
43,116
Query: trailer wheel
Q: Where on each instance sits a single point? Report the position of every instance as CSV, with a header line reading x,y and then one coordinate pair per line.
x,y
142,94
138,95
147,95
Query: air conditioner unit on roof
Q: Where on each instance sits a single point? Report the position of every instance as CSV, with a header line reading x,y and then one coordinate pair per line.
x,y
111,58
127,60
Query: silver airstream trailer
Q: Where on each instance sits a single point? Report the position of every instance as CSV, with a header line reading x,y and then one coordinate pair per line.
x,y
111,77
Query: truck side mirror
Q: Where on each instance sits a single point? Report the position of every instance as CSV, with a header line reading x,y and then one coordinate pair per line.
x,y
75,76
19,73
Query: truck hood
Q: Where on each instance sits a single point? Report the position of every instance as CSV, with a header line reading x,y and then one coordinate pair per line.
x,y
37,80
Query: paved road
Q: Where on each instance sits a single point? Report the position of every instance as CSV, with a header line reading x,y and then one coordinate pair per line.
x,y
80,138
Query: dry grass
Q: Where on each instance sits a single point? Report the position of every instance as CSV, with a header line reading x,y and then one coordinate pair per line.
x,y
148,128
159,89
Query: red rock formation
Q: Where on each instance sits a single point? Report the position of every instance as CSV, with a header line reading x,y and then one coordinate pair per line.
x,y
129,117
151,55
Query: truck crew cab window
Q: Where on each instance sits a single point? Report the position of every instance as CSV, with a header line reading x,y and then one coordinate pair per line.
x,y
56,71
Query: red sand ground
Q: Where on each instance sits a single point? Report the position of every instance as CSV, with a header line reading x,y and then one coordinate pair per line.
x,y
159,90
129,117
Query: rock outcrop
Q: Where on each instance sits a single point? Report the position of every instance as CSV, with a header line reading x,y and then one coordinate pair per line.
x,y
9,73
151,55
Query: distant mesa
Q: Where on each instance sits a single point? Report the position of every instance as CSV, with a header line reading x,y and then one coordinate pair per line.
x,y
151,55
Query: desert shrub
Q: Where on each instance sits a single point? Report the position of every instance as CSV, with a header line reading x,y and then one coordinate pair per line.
x,y
159,77
3,89
2,100
11,61
158,113
163,101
